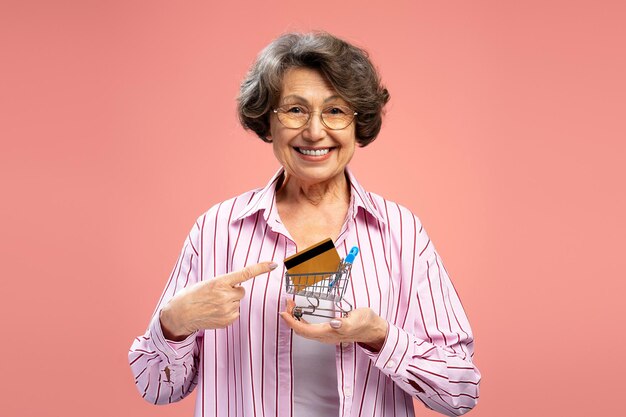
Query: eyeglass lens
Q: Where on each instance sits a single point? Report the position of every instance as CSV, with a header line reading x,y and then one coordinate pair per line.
x,y
337,117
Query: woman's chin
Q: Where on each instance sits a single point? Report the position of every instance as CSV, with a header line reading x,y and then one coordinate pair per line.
x,y
316,174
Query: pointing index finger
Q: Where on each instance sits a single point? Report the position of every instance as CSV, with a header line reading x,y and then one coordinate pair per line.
x,y
249,272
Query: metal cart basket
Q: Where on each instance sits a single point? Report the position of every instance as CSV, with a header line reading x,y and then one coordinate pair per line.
x,y
330,286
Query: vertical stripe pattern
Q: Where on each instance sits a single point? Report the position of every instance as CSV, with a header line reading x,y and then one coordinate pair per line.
x,y
246,368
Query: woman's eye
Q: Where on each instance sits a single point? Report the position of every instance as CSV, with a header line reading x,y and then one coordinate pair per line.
x,y
296,110
335,111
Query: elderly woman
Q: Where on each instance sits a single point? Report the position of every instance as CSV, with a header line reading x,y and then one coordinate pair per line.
x,y
224,322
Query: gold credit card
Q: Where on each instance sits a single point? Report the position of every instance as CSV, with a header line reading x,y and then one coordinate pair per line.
x,y
317,259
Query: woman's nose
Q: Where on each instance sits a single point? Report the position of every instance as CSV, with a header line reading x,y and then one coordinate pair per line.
x,y
314,130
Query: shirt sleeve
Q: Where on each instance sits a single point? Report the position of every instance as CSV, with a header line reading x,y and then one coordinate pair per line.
x,y
429,353
166,371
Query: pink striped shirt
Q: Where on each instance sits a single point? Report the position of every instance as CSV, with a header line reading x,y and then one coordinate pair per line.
x,y
246,369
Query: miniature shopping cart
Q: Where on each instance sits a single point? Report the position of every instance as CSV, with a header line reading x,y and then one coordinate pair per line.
x,y
330,286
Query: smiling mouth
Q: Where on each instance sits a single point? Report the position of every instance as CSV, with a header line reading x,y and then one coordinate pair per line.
x,y
313,152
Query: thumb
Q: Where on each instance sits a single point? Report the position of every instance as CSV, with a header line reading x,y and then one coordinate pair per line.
x,y
249,272
335,323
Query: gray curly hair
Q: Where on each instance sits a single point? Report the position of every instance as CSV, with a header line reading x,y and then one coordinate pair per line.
x,y
346,67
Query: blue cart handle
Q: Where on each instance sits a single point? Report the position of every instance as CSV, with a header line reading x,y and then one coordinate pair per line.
x,y
353,253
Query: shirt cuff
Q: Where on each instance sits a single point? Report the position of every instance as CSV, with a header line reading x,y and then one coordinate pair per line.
x,y
174,352
393,353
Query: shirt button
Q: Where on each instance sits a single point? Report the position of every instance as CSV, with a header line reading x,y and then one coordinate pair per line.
x,y
390,364
347,392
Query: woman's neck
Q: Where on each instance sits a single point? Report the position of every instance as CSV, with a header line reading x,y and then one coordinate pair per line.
x,y
331,191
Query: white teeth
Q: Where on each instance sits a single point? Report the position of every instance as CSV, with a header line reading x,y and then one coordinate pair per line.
x,y
312,152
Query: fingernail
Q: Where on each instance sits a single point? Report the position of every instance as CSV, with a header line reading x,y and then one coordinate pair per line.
x,y
273,266
335,324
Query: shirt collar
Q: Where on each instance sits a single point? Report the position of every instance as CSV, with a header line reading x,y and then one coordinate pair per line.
x,y
361,198
265,199
262,199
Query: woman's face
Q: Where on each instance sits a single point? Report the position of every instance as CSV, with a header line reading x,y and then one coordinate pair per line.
x,y
313,153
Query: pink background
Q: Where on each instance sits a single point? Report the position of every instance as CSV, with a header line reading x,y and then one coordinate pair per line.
x,y
505,134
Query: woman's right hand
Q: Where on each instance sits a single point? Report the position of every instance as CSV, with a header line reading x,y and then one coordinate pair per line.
x,y
209,304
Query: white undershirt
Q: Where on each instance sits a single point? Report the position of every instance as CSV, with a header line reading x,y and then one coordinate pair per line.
x,y
315,373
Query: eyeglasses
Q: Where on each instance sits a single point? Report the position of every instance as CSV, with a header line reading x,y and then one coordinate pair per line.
x,y
334,117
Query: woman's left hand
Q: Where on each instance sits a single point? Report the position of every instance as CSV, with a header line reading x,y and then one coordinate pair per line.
x,y
362,325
